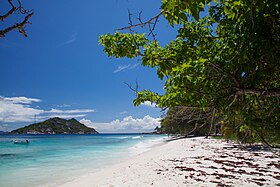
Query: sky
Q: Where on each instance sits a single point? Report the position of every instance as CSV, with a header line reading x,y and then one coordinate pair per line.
x,y
60,70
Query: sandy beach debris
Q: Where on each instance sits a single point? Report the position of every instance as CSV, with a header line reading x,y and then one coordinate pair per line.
x,y
192,162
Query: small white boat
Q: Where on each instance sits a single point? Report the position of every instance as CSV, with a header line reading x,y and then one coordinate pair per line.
x,y
21,142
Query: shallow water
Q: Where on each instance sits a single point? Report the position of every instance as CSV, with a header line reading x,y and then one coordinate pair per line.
x,y
50,159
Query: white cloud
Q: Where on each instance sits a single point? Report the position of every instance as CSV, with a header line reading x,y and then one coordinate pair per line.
x,y
66,116
62,106
127,124
124,67
10,112
20,100
73,37
4,127
124,112
121,68
70,111
149,104
19,109
121,113
133,66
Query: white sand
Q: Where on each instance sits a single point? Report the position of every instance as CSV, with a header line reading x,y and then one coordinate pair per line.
x,y
190,162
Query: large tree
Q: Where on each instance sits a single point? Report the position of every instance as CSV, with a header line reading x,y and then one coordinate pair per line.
x,y
225,64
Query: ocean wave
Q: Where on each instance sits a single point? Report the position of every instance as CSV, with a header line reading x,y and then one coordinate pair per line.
x,y
137,137
124,137
139,148
144,146
8,155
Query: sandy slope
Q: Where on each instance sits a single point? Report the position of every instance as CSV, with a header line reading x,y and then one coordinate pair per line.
x,y
191,162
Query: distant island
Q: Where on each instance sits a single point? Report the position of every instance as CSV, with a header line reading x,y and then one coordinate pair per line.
x,y
56,126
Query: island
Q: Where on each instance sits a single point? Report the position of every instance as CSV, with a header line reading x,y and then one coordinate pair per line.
x,y
56,126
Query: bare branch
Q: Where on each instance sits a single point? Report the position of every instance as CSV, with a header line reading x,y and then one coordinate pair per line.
x,y
129,17
134,89
234,99
139,17
19,26
142,24
190,114
151,23
152,31
10,12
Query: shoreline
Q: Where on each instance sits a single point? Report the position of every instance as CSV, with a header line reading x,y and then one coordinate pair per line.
x,y
189,162
131,152
49,160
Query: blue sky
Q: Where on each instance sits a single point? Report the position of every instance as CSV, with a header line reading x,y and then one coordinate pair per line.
x,y
61,70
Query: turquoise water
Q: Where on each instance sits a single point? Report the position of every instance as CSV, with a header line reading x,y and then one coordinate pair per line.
x,y
52,159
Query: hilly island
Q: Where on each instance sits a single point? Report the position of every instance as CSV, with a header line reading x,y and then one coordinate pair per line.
x,y
56,126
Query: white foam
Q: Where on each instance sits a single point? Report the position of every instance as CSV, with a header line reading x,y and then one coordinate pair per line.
x,y
125,137
137,137
144,146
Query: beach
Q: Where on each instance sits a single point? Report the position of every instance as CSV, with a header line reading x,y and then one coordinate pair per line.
x,y
190,162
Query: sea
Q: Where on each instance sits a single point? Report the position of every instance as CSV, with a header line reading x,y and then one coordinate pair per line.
x,y
55,159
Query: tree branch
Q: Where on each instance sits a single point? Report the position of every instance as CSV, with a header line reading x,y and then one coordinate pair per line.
x,y
142,24
219,69
19,26
135,89
265,92
151,23
211,125
10,12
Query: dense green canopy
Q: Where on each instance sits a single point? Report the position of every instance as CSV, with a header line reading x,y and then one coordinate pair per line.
x,y
225,66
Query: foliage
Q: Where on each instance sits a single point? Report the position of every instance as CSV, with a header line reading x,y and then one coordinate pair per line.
x,y
226,63
123,45
56,126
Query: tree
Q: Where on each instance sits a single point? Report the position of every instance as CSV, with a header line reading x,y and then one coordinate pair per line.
x,y
19,10
226,63
186,121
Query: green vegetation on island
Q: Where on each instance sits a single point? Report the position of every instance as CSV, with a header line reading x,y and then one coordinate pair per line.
x,y
222,69
56,126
